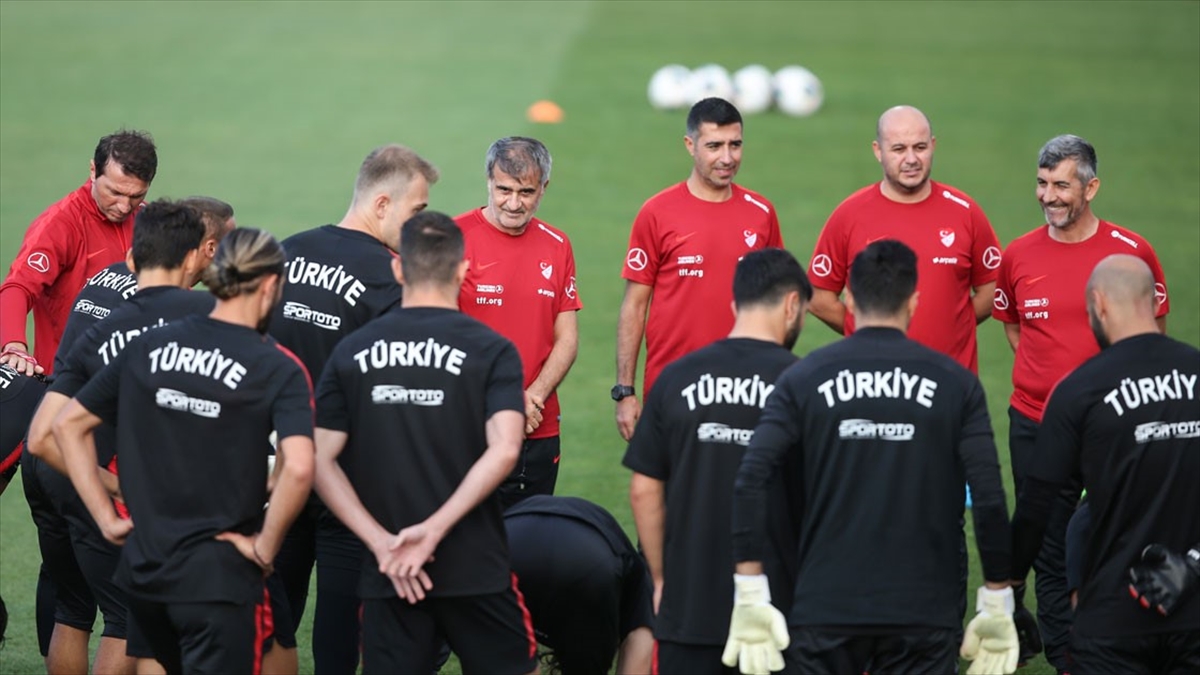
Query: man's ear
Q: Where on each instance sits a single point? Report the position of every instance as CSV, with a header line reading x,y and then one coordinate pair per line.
x,y
398,270
461,272
92,168
129,261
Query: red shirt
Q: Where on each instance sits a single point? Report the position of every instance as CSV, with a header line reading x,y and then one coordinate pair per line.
x,y
518,286
1042,287
62,249
957,250
687,249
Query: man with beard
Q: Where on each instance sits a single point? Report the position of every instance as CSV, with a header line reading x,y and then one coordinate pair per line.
x,y
683,248
685,452
1041,300
1126,420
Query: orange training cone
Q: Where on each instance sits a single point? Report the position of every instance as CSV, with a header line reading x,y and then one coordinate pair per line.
x,y
545,112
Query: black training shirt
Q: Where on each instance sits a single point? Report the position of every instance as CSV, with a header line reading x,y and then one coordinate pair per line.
x,y
337,280
1129,419
104,292
193,404
414,389
698,420
882,432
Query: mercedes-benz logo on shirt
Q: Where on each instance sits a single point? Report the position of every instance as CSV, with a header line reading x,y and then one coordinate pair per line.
x,y
822,265
39,261
637,259
571,288
991,257
1000,300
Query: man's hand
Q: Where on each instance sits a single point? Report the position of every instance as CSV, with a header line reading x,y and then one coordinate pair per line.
x,y
405,562
1164,579
758,632
629,409
1027,629
534,405
116,529
990,642
248,547
16,355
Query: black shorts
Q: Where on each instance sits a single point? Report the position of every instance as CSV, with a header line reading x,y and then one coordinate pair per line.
x,y
874,650
276,625
74,605
555,557
201,637
98,559
1166,653
536,472
676,658
489,633
1079,531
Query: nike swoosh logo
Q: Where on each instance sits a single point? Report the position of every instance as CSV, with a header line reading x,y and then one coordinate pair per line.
x,y
93,255
484,267
1030,282
680,238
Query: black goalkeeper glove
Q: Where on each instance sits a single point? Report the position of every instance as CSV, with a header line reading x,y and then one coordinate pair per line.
x,y
1027,628
1164,579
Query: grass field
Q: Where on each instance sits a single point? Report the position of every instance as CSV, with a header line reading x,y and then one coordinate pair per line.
x,y
271,106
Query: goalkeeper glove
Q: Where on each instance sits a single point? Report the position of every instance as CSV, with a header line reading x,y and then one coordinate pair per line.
x,y
1164,579
1027,628
757,630
990,641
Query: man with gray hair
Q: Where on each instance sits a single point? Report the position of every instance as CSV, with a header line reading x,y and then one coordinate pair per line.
x,y
521,283
1040,298
339,277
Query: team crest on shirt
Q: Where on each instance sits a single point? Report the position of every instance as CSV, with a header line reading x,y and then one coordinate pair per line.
x,y
751,238
547,269
947,237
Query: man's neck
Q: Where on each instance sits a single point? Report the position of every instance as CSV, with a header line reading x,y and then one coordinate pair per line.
x,y
353,220
1081,230
753,325
429,295
701,190
898,322
161,277
890,192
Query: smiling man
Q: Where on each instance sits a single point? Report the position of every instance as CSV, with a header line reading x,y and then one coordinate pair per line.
x,y
79,235
683,248
957,250
1041,300
521,283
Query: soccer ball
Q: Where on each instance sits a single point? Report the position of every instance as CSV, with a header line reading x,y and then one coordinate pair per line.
x,y
709,81
752,89
797,91
669,87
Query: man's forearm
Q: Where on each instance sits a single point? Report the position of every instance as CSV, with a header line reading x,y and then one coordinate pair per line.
x,y
14,308
828,307
290,494
647,500
334,489
559,360
982,301
631,327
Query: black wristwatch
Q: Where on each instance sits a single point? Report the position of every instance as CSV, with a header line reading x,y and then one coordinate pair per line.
x,y
621,391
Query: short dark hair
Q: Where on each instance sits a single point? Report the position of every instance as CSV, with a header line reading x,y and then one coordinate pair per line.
x,y
431,247
213,212
883,277
716,110
164,232
133,150
763,277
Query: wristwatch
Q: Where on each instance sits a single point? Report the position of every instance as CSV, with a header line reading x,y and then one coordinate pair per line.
x,y
621,391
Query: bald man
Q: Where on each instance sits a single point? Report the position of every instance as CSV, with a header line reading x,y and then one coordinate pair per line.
x,y
957,250
1128,420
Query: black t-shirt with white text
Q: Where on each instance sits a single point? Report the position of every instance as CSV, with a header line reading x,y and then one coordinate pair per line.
x,y
148,309
882,432
193,404
698,420
104,292
414,390
1129,420
337,280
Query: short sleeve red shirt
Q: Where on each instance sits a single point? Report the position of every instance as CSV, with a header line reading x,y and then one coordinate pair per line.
x,y
957,250
63,247
518,286
1041,287
687,249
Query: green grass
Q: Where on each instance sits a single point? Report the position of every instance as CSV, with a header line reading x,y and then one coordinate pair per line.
x,y
271,106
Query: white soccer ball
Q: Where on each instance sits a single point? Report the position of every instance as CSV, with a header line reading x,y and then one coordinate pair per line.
x,y
797,91
669,87
752,89
709,81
